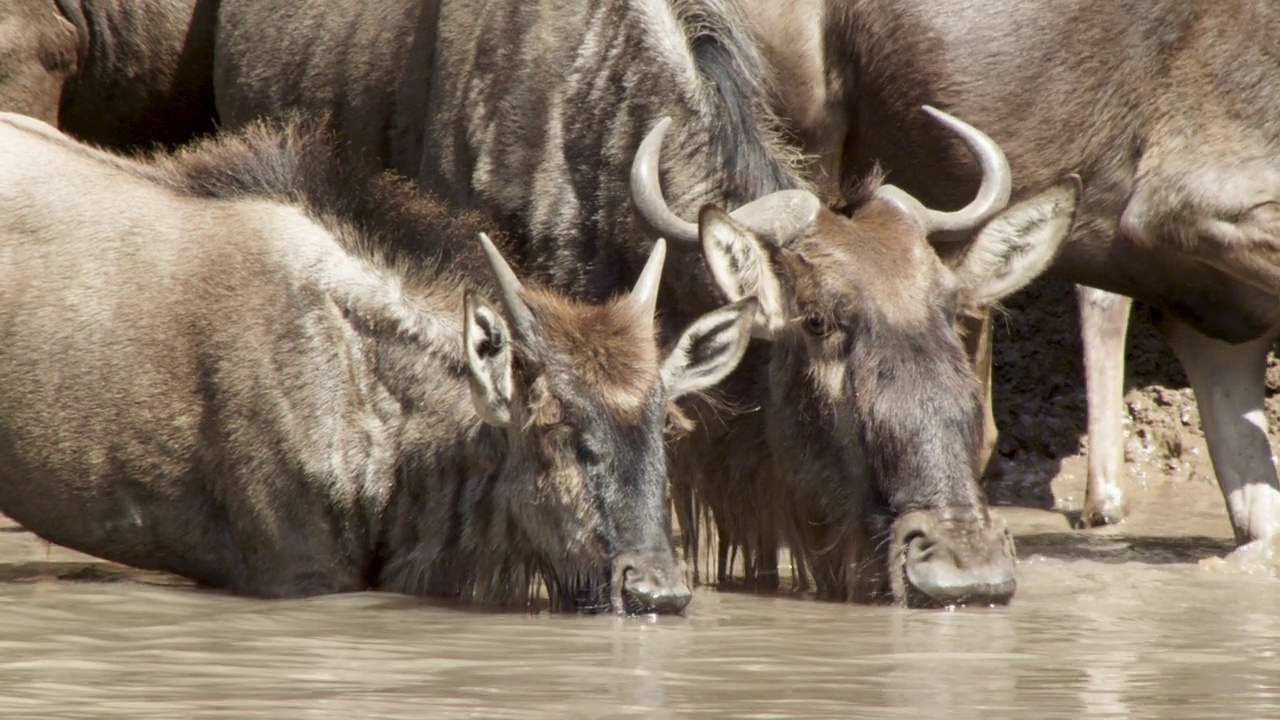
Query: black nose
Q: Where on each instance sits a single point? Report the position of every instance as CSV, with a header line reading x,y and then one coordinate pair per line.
x,y
653,590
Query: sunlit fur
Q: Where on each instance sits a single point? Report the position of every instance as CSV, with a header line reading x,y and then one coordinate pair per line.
x,y
534,114
260,382
876,417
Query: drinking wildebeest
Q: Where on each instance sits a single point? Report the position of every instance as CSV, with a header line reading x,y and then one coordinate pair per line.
x,y
533,113
117,73
227,363
1168,110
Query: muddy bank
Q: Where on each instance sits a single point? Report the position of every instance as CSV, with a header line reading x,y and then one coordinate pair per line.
x,y
1039,401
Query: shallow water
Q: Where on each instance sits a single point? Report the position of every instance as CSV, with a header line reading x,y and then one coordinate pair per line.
x,y
1117,624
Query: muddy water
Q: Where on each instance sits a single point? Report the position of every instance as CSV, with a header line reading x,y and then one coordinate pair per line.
x,y
1135,622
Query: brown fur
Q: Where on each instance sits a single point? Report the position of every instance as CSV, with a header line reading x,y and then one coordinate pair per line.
x,y
610,347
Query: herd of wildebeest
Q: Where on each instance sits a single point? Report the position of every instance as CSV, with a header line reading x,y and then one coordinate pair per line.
x,y
312,297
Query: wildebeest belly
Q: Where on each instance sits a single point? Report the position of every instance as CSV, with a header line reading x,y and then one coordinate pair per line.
x,y
1208,299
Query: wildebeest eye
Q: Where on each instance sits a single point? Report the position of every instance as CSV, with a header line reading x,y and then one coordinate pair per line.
x,y
817,324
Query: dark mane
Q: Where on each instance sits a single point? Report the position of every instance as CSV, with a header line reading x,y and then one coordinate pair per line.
x,y
859,192
747,137
298,162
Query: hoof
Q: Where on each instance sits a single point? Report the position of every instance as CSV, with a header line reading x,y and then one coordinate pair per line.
x,y
1101,516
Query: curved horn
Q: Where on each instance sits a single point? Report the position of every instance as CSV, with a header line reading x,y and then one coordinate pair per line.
x,y
645,292
509,287
781,216
646,191
993,195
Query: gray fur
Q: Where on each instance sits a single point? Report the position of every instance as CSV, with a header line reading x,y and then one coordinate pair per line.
x,y
233,363
119,73
532,112
37,55
1169,110
1148,100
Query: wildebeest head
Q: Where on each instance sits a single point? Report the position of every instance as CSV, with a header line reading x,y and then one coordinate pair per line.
x,y
874,410
584,395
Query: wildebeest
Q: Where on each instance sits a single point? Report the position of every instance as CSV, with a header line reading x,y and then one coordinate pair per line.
x,y
1169,112
37,55
118,73
533,112
233,364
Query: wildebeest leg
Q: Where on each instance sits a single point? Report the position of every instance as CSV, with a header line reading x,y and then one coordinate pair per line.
x,y
767,565
977,339
1104,322
1229,386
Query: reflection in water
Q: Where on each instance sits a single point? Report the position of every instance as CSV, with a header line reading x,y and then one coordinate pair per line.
x,y
1103,627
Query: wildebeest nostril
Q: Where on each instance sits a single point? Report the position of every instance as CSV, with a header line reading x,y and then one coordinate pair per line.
x,y
949,563
918,541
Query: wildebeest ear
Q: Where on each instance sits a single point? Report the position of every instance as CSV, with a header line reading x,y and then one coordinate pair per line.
x,y
709,349
487,338
742,267
1018,244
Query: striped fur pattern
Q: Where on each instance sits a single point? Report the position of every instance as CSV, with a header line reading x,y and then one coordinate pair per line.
x,y
533,111
244,363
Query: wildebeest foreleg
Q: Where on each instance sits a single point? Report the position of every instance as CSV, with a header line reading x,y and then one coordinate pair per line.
x,y
1104,321
1229,387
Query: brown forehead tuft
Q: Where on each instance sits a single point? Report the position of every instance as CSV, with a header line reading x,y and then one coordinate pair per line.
x,y
610,347
856,194
877,256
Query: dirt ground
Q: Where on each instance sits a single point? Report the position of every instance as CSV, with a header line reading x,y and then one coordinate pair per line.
x,y
1039,400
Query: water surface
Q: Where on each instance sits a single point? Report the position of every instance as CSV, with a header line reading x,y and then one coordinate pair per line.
x,y
1125,624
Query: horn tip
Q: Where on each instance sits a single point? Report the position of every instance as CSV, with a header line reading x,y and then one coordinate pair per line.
x,y
660,128
1071,184
939,115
